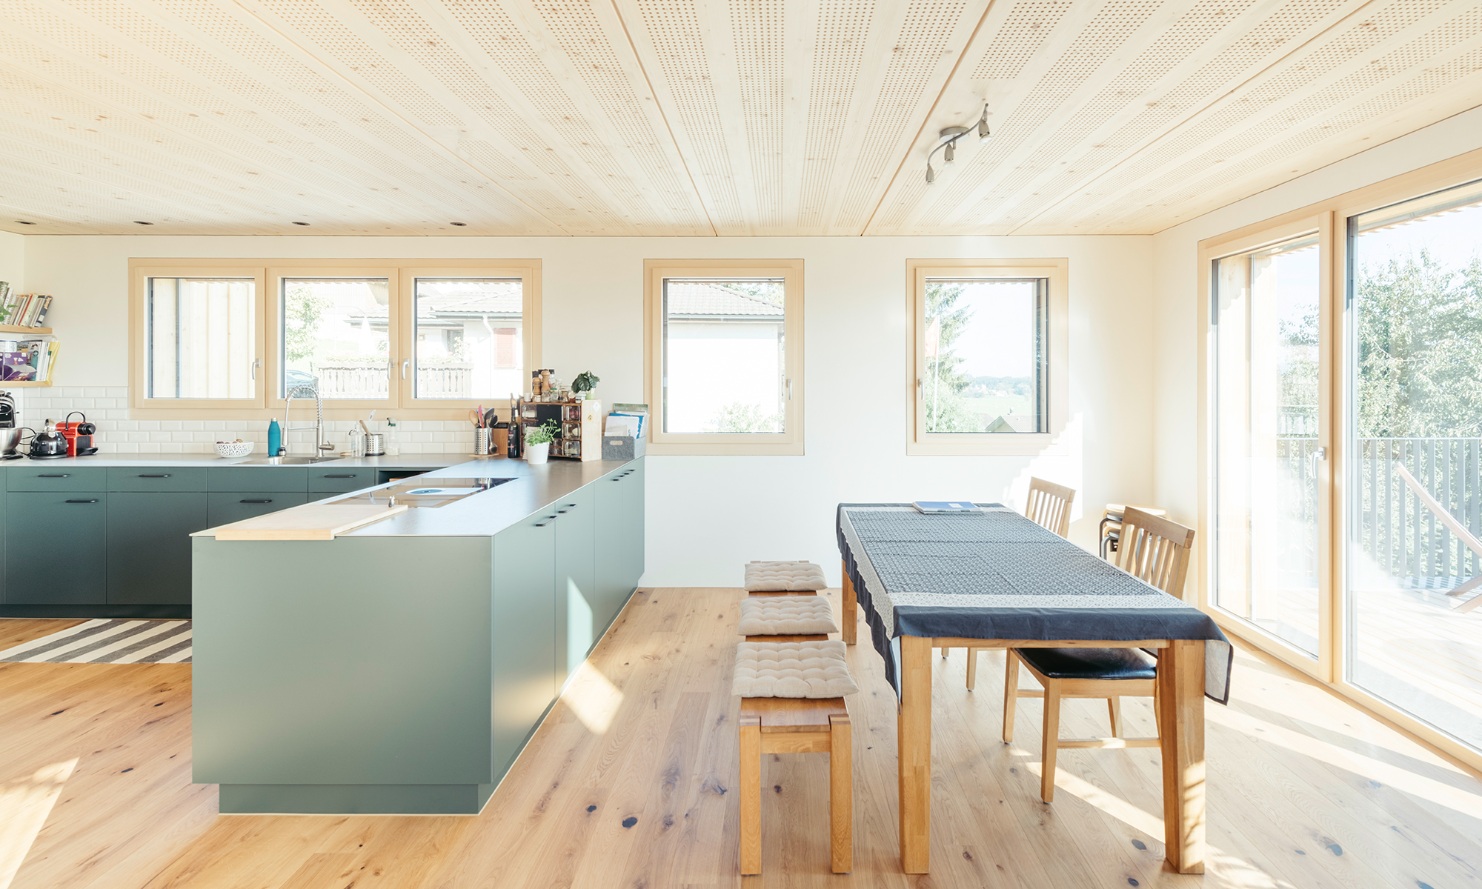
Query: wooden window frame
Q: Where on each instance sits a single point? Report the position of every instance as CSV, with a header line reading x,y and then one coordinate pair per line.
x,y
1331,668
919,442
268,274
788,443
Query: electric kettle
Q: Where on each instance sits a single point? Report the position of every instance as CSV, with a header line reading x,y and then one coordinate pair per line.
x,y
49,444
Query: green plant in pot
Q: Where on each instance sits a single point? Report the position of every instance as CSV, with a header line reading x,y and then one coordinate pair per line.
x,y
538,441
584,384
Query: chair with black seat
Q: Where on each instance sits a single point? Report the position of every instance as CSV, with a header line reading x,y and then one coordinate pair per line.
x,y
1152,549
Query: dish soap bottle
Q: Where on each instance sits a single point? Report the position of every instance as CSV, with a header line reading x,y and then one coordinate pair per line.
x,y
275,438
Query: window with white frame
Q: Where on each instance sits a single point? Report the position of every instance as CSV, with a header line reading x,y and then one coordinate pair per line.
x,y
429,338
725,356
987,346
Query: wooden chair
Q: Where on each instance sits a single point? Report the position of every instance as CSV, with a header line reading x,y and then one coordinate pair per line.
x,y
1048,506
1152,549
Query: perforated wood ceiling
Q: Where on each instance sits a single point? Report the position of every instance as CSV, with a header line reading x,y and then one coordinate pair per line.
x,y
678,117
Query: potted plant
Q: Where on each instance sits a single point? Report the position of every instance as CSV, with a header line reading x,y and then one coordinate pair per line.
x,y
538,441
584,384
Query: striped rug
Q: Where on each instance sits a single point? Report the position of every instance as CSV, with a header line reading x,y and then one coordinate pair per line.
x,y
108,642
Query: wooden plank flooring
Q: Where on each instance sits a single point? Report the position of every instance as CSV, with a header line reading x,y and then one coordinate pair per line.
x,y
631,782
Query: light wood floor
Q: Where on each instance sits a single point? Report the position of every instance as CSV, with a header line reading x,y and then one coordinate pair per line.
x,y
630,782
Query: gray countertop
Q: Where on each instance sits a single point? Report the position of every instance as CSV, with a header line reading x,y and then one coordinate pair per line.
x,y
402,461
488,512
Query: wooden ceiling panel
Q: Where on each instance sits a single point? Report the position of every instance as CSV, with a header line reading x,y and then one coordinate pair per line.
x,y
699,117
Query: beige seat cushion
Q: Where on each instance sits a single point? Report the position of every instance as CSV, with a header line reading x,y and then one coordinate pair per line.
x,y
786,616
793,577
792,670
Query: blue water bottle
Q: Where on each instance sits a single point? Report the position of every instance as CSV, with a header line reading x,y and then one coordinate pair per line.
x,y
275,438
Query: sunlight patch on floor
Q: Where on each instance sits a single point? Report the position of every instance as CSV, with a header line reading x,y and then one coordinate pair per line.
x,y
24,807
592,698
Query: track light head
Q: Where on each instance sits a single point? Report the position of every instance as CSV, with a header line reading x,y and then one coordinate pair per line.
x,y
931,174
951,153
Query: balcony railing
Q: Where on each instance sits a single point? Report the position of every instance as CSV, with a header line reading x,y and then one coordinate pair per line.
x,y
1394,525
369,381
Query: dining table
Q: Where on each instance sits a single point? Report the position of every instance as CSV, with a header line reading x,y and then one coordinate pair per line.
x,y
987,577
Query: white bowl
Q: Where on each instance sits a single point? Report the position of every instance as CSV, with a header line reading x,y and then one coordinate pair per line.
x,y
233,448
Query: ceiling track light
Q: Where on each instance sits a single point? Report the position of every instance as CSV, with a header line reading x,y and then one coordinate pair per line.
x,y
947,143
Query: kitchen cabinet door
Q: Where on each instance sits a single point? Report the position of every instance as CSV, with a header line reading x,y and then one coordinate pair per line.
x,y
524,632
576,581
619,536
55,548
149,546
636,510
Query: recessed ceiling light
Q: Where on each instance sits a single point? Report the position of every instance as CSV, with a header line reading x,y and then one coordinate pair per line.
x,y
459,224
142,222
300,223
24,222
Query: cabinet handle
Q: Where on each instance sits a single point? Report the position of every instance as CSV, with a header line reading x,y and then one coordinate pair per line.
x,y
94,500
255,501
157,475
343,475
562,511
571,506
54,475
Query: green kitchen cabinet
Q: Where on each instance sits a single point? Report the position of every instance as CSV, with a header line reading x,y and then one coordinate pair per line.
x,y
576,580
619,540
523,636
56,547
149,545
225,507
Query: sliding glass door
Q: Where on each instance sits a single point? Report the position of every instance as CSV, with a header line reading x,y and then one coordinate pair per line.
x,y
1266,306
1413,560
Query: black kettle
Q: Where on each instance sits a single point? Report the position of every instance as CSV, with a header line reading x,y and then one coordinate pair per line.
x,y
47,445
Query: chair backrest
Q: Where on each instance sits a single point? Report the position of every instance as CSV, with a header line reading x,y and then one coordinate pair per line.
x,y
1155,549
1049,505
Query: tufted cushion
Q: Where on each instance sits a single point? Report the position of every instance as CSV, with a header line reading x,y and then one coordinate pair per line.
x,y
1090,663
772,577
786,616
792,670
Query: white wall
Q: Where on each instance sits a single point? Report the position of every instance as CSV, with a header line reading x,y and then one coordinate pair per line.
x,y
13,260
708,515
1176,327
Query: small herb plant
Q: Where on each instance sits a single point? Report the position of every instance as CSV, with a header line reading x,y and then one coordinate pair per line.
x,y
542,434
585,381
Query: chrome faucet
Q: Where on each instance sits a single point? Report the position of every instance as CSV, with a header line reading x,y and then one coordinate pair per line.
x,y
305,391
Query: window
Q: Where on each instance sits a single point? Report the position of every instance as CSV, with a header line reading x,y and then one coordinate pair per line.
x,y
1339,482
725,356
987,345
427,338
200,330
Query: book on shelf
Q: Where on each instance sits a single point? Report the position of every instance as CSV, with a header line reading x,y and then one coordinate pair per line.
x,y
24,309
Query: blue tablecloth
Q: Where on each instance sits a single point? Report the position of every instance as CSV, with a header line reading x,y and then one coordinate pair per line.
x,y
994,574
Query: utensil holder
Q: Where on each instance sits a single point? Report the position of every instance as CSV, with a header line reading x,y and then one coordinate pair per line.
x,y
481,442
375,444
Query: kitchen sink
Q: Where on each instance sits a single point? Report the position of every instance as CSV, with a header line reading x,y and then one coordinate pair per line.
x,y
430,494
289,461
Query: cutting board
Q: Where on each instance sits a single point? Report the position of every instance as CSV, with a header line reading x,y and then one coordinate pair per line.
x,y
315,521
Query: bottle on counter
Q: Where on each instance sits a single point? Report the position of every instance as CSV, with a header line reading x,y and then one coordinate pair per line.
x,y
392,446
275,438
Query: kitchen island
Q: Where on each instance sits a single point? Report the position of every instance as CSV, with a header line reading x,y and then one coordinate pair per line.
x,y
401,666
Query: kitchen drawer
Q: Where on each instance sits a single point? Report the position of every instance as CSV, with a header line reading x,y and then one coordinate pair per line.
x,y
56,478
338,481
225,507
261,478
156,478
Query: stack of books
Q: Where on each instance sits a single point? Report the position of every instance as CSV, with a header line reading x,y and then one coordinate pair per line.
x,y
30,362
23,309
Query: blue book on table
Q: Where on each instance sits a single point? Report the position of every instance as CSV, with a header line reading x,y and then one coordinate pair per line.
x,y
933,507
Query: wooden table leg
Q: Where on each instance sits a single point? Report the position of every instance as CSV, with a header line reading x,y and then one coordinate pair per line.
x,y
914,739
1181,722
848,620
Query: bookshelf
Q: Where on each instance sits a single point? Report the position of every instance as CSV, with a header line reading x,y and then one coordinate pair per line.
x,y
18,332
